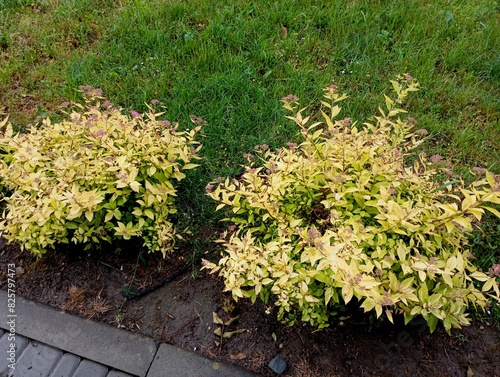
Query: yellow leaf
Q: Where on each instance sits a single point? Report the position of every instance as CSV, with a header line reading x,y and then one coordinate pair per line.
x,y
89,215
150,199
149,214
389,315
490,178
347,293
108,216
389,103
335,111
460,262
448,280
329,122
378,310
189,166
151,170
134,185
463,222
421,275
328,295
451,263
477,213
402,252
489,285
493,211
368,304
479,276
449,227
141,222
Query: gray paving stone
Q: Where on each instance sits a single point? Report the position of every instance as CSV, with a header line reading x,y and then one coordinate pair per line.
x,y
88,368
37,360
119,349
5,350
115,373
66,366
174,361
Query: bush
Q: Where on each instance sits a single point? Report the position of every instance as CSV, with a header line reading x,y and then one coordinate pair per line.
x,y
341,217
98,176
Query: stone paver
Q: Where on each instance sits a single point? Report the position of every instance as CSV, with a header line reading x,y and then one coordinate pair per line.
x,y
115,373
66,365
89,368
5,350
37,360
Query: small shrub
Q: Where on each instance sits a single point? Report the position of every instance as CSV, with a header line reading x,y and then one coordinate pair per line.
x,y
340,217
98,176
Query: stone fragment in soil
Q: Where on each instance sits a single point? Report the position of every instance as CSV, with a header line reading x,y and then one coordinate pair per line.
x,y
278,365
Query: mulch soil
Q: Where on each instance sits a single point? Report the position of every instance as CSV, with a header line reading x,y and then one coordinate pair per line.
x,y
173,302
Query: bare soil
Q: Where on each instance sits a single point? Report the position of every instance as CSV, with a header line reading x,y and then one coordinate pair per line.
x,y
176,302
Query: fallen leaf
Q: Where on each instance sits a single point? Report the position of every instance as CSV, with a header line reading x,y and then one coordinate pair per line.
x,y
238,356
217,319
284,31
229,334
231,320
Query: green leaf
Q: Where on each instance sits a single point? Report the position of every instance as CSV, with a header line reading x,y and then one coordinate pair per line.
x,y
432,322
71,225
448,16
423,293
447,184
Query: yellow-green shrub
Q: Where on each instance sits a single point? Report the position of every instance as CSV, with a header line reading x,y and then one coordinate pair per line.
x,y
98,176
341,216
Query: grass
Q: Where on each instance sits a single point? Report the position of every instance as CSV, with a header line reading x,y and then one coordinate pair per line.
x,y
230,62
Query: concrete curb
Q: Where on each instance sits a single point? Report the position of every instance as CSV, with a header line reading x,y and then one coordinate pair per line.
x,y
182,363
119,349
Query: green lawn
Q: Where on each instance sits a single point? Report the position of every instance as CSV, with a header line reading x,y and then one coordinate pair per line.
x,y
231,61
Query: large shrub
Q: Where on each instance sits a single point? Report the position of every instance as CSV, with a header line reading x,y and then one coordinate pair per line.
x,y
98,176
343,217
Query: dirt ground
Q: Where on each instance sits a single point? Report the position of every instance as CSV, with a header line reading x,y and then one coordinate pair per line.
x,y
174,303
